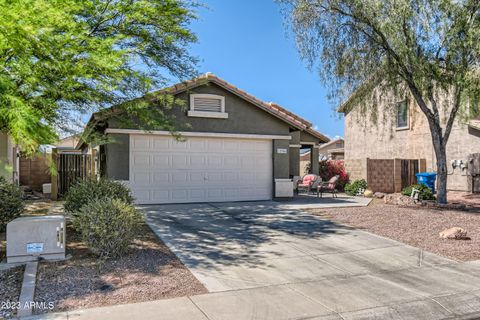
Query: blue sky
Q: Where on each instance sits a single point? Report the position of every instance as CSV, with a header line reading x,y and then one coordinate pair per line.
x,y
245,43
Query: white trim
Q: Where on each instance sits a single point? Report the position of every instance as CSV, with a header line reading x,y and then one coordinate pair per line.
x,y
206,114
201,134
309,143
283,180
295,145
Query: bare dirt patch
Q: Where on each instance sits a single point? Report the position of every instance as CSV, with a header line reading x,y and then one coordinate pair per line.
x,y
10,286
419,227
149,272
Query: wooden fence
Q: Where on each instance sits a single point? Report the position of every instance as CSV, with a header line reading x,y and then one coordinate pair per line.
x,y
34,172
392,175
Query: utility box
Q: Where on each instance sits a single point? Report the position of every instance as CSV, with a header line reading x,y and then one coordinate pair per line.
x,y
283,188
29,238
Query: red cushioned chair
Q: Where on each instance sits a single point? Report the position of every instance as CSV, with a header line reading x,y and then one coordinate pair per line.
x,y
307,183
329,186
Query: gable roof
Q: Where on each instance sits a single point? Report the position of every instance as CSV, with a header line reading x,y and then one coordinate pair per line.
x,y
331,142
270,107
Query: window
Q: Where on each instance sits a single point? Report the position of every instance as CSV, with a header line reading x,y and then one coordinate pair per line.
x,y
207,106
402,115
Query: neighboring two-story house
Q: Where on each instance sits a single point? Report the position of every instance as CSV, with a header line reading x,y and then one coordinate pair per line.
x,y
399,130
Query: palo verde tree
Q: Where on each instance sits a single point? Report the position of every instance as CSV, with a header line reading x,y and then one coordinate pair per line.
x,y
63,58
429,48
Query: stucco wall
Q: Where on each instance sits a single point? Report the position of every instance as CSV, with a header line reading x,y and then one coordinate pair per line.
x,y
117,157
367,138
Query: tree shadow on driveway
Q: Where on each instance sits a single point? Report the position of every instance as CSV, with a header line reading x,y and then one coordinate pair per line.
x,y
215,235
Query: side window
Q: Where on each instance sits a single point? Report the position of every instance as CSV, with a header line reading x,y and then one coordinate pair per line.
x,y
402,115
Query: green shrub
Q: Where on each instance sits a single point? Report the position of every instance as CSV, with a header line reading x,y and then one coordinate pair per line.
x,y
108,226
85,192
352,188
11,202
424,194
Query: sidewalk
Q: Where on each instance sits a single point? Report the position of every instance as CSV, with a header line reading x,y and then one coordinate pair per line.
x,y
439,292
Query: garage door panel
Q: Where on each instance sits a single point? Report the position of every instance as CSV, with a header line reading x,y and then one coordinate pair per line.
x,y
163,170
198,161
214,161
161,144
161,196
230,161
141,195
213,145
179,145
197,145
214,176
180,161
141,178
161,161
197,178
161,178
140,142
179,177
141,159
197,194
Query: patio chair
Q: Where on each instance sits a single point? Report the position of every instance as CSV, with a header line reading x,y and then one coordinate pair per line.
x,y
328,186
307,183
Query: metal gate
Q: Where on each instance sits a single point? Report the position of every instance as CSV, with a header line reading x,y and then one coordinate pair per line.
x,y
72,167
474,172
409,170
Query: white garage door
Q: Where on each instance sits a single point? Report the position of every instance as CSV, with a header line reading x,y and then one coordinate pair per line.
x,y
163,170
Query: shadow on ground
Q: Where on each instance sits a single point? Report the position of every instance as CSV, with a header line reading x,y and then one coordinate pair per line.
x,y
209,235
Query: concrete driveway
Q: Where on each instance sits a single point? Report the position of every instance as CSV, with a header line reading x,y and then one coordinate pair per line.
x,y
262,260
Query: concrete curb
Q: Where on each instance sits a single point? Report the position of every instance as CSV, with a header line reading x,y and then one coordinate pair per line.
x,y
28,289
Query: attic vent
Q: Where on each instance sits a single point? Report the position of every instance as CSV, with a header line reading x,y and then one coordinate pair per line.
x,y
207,104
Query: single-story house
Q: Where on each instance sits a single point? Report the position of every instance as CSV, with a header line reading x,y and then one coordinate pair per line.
x,y
333,150
237,147
388,146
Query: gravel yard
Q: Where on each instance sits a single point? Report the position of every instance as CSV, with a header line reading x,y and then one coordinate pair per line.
x,y
149,272
10,285
418,227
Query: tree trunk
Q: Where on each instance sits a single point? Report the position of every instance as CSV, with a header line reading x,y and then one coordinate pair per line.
x,y
442,177
439,146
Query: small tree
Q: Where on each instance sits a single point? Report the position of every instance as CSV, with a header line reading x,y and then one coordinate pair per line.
x,y
63,58
430,48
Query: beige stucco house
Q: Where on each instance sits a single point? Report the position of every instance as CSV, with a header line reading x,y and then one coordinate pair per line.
x,y
399,130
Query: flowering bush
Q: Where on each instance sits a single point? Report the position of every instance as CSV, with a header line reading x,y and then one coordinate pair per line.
x,y
330,168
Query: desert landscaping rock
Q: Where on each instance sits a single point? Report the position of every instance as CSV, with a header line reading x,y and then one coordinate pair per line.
x,y
379,195
417,226
454,233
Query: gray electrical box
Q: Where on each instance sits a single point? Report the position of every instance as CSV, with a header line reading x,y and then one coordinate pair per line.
x,y
29,238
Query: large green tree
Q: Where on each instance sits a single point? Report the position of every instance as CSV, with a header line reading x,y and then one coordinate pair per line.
x,y
63,58
430,48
